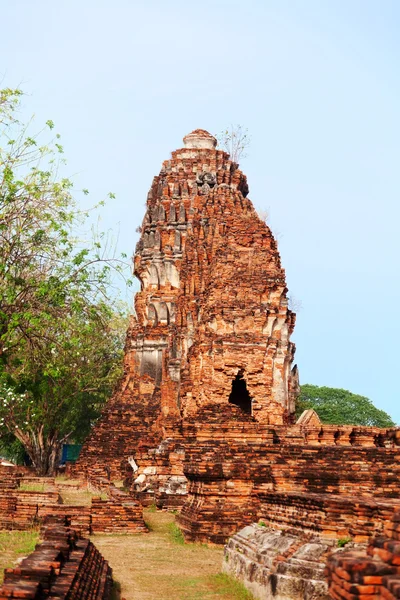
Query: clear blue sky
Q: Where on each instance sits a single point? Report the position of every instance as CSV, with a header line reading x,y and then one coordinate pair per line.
x,y
317,84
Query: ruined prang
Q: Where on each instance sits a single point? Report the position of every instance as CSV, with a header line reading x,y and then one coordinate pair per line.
x,y
203,417
212,325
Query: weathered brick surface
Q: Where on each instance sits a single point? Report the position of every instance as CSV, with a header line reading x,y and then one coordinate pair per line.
x,y
21,509
212,315
371,574
118,514
242,472
209,390
275,564
64,566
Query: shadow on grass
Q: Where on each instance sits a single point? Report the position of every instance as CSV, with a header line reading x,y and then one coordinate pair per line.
x,y
116,591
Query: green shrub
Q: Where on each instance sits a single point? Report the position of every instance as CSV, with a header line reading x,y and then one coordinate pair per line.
x,y
262,523
343,541
176,534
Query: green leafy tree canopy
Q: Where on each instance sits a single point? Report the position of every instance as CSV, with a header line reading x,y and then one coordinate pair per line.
x,y
60,323
341,407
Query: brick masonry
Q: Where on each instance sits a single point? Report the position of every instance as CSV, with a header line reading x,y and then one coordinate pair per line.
x,y
21,509
368,575
289,477
204,415
63,566
212,322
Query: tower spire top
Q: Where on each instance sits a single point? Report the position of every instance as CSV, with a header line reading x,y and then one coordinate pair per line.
x,y
200,138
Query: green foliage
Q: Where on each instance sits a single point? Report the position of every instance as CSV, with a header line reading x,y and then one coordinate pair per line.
x,y
341,407
262,523
11,448
61,329
343,541
176,534
224,584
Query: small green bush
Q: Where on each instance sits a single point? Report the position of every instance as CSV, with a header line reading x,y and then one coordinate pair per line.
x,y
343,541
176,534
116,590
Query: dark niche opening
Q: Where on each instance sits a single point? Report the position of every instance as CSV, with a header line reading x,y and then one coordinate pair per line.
x,y
239,394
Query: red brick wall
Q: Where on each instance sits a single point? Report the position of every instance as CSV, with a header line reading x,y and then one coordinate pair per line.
x,y
372,574
333,489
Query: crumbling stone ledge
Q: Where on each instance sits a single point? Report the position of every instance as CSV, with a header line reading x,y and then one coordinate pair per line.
x,y
278,565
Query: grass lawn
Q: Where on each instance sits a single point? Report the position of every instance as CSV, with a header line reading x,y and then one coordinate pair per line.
x,y
14,544
72,494
160,566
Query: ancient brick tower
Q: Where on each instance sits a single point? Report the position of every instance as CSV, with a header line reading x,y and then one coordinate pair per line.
x,y
212,324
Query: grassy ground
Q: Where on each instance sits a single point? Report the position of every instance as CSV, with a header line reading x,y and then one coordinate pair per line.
x,y
14,544
160,566
33,487
75,497
72,494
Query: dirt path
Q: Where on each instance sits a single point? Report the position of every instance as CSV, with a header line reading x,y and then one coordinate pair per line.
x,y
156,566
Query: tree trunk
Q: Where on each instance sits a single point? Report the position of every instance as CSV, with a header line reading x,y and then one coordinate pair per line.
x,y
43,452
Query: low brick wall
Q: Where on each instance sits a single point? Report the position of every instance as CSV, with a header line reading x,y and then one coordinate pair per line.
x,y
118,514
64,566
325,514
368,575
343,481
22,509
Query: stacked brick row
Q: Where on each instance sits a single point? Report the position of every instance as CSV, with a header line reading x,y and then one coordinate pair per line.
x,y
370,575
119,514
234,480
80,517
326,514
64,566
20,509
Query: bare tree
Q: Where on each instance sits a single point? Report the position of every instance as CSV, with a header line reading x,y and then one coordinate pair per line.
x,y
294,304
235,140
263,214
